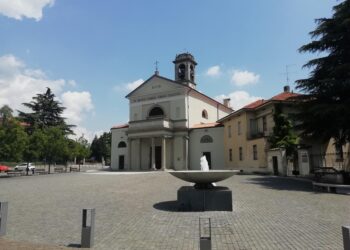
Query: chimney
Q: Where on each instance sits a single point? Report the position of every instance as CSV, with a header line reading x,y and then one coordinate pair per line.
x,y
227,102
286,88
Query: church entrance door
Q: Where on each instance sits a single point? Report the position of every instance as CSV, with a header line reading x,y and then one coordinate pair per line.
x,y
158,157
121,161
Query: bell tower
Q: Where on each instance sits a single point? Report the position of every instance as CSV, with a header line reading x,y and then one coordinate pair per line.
x,y
185,69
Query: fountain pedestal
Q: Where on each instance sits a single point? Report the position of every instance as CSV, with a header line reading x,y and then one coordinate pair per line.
x,y
190,198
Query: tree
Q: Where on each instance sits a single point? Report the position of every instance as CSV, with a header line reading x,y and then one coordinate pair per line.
x,y
325,111
46,112
13,140
5,114
35,146
82,149
283,135
101,147
55,146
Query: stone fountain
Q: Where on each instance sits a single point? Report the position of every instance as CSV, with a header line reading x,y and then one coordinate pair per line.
x,y
204,195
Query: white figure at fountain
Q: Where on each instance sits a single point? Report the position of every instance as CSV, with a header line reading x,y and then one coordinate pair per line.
x,y
204,163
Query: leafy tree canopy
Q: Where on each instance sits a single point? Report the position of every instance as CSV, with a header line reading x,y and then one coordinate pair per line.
x,y
6,113
13,140
325,111
101,147
283,135
46,112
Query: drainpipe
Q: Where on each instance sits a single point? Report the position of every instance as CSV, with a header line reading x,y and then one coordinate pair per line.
x,y
188,130
217,111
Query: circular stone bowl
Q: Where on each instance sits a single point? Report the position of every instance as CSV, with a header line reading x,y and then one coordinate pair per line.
x,y
203,177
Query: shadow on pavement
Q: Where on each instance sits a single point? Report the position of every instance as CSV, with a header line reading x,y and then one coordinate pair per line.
x,y
170,206
74,245
282,183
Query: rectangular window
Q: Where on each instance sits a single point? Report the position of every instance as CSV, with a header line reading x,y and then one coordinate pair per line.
x,y
229,131
240,154
239,128
253,127
264,123
230,154
255,152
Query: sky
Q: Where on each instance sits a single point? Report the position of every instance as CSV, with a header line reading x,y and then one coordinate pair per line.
x,y
93,53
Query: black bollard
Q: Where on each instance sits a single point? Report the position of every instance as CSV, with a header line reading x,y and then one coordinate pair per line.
x,y
88,229
3,217
204,237
346,237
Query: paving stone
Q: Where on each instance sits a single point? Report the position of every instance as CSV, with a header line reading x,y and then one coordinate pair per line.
x,y
138,212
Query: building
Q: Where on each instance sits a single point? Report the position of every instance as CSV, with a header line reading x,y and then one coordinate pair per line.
x,y
247,130
171,124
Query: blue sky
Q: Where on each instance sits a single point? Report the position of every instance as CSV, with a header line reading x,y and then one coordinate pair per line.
x,y
93,52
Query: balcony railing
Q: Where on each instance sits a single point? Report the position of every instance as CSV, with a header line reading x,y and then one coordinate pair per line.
x,y
151,124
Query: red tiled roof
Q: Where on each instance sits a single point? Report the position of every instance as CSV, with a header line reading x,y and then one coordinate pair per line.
x,y
255,104
284,96
121,126
207,125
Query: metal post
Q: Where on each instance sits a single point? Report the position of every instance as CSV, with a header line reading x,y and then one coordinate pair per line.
x,y
3,217
346,237
205,239
88,229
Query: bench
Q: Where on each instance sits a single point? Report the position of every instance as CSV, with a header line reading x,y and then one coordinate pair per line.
x,y
60,169
40,171
15,173
74,169
329,187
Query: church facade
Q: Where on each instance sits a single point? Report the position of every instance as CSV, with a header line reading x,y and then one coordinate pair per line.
x,y
171,124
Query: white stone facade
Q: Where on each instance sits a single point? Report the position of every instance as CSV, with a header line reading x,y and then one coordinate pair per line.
x,y
166,120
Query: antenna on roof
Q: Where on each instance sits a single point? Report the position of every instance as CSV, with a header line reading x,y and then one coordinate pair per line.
x,y
157,71
288,72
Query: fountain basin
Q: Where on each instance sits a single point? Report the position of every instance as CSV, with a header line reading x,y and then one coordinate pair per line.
x,y
203,177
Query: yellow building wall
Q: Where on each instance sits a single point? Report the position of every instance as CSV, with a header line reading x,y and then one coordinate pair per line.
x,y
240,140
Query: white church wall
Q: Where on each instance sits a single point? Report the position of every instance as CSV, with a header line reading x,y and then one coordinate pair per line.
x,y
196,106
135,152
119,135
216,148
179,162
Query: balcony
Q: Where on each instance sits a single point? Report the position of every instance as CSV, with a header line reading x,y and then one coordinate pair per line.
x,y
258,134
151,124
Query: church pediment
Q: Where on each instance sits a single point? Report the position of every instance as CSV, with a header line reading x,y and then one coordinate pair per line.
x,y
154,85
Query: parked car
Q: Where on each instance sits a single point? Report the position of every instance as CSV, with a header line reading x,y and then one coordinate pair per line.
x,y
4,168
23,167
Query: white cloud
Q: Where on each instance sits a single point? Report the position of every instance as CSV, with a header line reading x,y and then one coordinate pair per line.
x,y
18,84
244,77
214,71
19,9
129,86
238,99
77,105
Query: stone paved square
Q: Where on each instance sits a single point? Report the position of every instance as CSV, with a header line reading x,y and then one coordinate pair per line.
x,y
137,211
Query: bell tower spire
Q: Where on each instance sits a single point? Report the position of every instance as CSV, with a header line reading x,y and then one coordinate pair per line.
x,y
185,66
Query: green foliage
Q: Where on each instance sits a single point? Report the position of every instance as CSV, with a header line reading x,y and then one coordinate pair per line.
x,y
80,149
325,111
55,147
13,140
6,114
46,112
283,135
101,147
35,146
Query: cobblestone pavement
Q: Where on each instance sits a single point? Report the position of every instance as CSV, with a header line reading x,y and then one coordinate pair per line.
x,y
138,212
